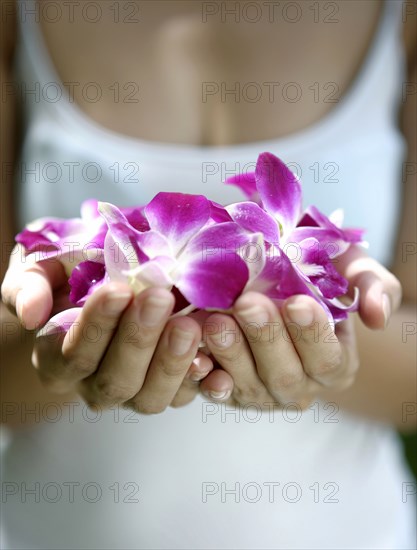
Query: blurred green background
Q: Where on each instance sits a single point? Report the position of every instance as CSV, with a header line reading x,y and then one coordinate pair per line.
x,y
410,448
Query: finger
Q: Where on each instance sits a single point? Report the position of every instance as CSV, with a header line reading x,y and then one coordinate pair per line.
x,y
277,361
189,389
316,342
229,347
47,350
184,396
217,386
61,301
123,369
380,291
86,341
28,285
174,354
199,369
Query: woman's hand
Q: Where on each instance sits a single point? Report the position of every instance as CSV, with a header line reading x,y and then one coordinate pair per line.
x,y
275,357
119,350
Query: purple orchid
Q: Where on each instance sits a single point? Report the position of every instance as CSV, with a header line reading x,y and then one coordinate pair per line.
x,y
184,247
207,254
315,238
71,241
75,240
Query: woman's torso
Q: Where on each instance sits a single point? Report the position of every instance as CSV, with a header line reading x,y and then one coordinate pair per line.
x,y
182,57
183,462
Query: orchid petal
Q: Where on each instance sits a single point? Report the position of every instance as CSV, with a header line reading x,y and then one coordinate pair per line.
x,y
214,284
60,323
116,260
225,239
329,241
312,217
317,264
279,189
211,272
339,310
48,231
154,244
136,218
85,278
337,217
177,216
124,237
280,278
89,210
251,217
153,273
219,213
246,182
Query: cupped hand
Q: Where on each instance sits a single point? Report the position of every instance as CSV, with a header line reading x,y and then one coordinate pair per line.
x,y
117,349
275,356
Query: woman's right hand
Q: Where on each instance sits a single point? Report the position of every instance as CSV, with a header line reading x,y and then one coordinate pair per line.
x,y
120,349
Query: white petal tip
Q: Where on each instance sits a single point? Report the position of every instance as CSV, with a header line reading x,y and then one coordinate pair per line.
x,y
337,217
103,206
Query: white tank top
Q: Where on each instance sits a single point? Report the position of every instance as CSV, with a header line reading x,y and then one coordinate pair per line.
x,y
205,476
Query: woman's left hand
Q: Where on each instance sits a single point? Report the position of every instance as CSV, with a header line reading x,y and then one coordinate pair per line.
x,y
272,356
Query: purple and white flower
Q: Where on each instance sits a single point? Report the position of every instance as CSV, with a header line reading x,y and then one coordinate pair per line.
x,y
206,253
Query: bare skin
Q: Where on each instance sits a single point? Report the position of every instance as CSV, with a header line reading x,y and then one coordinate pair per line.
x,y
175,47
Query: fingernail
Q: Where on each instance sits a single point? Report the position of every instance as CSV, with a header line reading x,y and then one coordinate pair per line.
x,y
197,376
300,314
50,329
218,394
153,310
116,302
386,308
254,315
180,342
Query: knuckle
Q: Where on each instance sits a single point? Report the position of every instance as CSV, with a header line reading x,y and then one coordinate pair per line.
x,y
53,384
94,329
286,380
233,355
142,339
109,391
328,365
171,368
249,394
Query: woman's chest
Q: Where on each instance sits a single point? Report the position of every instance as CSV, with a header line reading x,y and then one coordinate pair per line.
x,y
203,73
